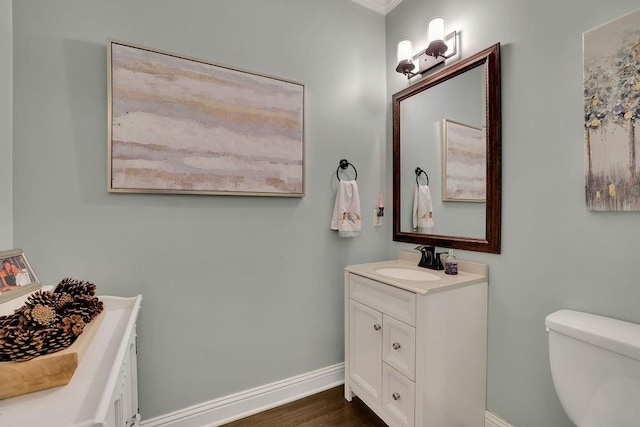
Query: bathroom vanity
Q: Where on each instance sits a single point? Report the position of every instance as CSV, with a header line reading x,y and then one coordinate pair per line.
x,y
104,388
416,342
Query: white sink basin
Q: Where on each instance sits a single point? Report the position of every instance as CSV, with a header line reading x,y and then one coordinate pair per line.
x,y
407,274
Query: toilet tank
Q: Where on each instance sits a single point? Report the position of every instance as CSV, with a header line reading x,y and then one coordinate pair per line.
x,y
595,366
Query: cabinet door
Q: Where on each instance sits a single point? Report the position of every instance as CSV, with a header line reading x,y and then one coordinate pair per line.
x,y
130,384
365,348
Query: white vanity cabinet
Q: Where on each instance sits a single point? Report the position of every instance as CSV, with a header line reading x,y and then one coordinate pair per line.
x,y
415,352
104,388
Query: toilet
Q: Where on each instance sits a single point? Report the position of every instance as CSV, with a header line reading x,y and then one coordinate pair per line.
x,y
595,366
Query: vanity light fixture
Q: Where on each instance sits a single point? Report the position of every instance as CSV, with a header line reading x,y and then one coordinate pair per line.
x,y
440,48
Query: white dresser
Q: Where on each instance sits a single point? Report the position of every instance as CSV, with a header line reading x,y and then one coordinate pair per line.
x,y
415,351
104,388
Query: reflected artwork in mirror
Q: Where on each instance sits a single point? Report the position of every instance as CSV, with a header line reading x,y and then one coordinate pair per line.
x,y
447,126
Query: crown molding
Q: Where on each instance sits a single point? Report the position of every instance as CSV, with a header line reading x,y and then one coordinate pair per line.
x,y
381,6
390,4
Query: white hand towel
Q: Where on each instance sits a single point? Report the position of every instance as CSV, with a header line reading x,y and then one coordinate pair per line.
x,y
346,211
422,208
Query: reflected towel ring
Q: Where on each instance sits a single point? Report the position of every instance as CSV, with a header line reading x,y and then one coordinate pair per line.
x,y
343,165
418,172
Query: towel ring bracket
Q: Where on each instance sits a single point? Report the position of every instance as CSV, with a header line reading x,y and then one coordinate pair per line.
x,y
344,163
418,172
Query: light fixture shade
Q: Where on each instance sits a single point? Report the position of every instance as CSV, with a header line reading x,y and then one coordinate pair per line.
x,y
405,58
405,51
437,46
436,29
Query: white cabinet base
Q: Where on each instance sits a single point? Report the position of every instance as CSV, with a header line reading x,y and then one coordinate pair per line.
x,y
430,352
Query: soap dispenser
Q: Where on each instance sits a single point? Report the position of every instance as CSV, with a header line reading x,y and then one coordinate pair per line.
x,y
450,263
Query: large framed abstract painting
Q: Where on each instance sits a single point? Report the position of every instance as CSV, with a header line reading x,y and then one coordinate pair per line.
x,y
184,125
611,112
464,171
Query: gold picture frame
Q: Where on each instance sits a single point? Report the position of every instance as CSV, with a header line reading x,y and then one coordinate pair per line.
x,y
464,163
182,125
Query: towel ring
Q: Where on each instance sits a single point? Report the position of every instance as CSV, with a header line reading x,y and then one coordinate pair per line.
x,y
418,172
343,165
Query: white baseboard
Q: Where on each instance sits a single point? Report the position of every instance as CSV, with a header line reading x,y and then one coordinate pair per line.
x,y
239,405
492,420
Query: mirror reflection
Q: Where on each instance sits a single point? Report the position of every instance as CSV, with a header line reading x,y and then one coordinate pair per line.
x,y
442,133
447,155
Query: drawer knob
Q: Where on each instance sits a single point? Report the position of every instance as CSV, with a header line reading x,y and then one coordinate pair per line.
x,y
396,345
396,396
377,327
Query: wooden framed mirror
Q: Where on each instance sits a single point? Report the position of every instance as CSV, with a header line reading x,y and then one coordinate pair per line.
x,y
445,113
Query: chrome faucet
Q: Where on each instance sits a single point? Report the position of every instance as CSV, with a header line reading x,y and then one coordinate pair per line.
x,y
430,259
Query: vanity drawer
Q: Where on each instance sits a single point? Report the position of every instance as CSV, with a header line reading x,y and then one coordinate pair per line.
x,y
398,396
399,346
388,299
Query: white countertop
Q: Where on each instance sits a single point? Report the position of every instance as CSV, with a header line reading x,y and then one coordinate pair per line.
x,y
469,273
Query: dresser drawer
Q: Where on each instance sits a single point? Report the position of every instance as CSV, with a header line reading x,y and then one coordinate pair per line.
x,y
398,396
399,346
390,300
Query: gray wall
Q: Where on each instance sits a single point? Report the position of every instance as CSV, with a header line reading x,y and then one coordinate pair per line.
x,y
6,129
242,291
237,291
554,253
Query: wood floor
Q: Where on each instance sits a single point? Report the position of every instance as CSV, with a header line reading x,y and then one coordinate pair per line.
x,y
328,408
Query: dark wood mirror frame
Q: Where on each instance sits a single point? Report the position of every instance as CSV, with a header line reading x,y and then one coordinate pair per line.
x,y
490,58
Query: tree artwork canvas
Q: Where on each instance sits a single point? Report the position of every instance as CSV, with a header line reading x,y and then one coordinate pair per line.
x,y
611,112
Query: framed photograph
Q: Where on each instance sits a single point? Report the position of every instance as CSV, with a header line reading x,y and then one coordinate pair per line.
x,y
188,126
464,167
16,275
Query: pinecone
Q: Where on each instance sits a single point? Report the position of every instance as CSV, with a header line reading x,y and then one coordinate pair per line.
x,y
25,319
29,319
62,300
13,320
85,306
40,297
73,325
75,287
43,314
20,346
48,322
9,321
82,312
54,339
